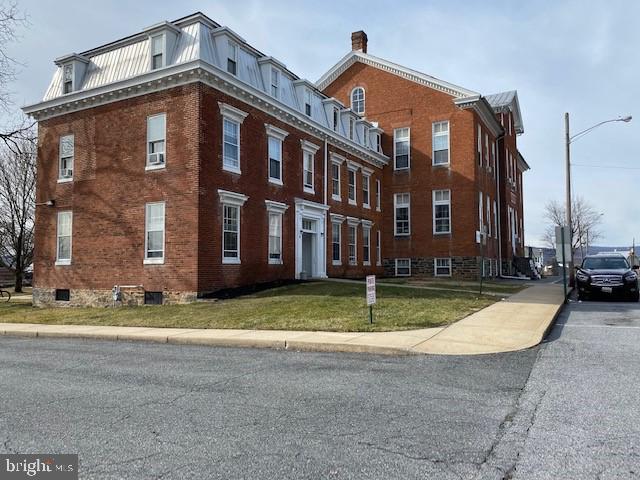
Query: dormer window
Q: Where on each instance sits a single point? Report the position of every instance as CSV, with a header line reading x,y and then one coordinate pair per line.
x,y
67,73
357,100
351,127
366,137
336,117
275,82
378,143
157,52
232,58
307,102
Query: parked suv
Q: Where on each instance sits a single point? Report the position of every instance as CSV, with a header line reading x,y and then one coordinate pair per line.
x,y
607,274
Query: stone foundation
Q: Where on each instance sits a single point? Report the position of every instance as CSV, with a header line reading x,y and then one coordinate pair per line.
x,y
462,268
46,297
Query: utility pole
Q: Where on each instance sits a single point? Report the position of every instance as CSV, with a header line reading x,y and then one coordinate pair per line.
x,y
568,207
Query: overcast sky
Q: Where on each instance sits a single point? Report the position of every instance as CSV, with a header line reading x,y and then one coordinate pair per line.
x,y
575,56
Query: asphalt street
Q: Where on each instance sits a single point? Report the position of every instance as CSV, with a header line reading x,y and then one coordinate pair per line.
x,y
566,409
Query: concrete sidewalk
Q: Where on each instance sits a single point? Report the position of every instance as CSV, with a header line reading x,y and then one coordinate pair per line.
x,y
513,324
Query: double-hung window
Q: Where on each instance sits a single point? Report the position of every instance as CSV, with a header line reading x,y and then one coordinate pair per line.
x,y
441,143
157,51
352,127
366,244
442,267
335,181
232,119
486,150
67,74
154,233
479,145
231,204
275,214
63,242
403,267
441,211
65,164
275,138
378,194
336,119
378,248
352,186
401,148
308,159
353,243
488,207
480,214
275,83
402,214
307,102
232,58
366,183
156,135
336,238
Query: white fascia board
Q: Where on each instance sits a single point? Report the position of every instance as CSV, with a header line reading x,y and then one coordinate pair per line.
x,y
159,27
334,101
522,163
274,62
189,72
484,111
418,77
70,57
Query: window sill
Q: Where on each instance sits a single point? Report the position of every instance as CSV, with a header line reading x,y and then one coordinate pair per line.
x,y
378,264
442,233
402,235
441,275
309,190
366,205
378,209
65,180
276,181
352,202
444,165
336,263
274,262
403,275
353,264
153,261
336,198
63,263
403,169
155,167
366,264
231,261
231,169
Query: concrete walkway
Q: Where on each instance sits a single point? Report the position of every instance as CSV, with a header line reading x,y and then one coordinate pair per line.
x,y
513,324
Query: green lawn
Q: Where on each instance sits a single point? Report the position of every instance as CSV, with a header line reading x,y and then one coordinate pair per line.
x,y
487,286
328,306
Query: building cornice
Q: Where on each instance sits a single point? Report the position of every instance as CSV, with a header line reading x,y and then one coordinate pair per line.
x,y
190,72
485,112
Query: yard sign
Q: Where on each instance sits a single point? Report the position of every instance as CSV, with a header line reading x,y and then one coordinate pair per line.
x,y
371,289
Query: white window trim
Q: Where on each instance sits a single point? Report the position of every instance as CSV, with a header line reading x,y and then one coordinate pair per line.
x,y
275,208
164,163
435,267
280,135
378,194
433,144
378,248
366,225
363,99
277,83
337,160
73,161
336,219
395,166
236,47
64,261
237,200
312,149
488,211
237,116
352,223
353,167
154,260
164,51
396,268
366,180
433,210
395,215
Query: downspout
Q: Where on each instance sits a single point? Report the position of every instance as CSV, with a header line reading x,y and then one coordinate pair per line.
x,y
325,169
499,209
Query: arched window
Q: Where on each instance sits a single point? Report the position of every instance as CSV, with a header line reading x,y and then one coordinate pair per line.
x,y
357,100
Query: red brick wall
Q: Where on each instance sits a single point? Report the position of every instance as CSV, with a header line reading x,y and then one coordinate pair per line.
x,y
111,187
395,102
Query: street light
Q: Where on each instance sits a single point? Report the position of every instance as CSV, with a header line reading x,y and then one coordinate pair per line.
x,y
569,139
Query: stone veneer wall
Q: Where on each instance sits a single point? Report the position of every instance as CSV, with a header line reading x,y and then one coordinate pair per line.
x,y
46,297
462,268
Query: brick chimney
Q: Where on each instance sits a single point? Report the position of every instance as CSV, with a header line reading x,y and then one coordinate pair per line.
x,y
359,41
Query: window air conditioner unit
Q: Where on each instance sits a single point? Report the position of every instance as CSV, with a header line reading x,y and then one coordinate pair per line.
x,y
156,158
66,173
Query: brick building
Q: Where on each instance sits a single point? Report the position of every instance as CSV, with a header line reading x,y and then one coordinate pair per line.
x,y
181,161
453,163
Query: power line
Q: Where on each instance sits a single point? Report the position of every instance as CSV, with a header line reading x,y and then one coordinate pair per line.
x,y
615,167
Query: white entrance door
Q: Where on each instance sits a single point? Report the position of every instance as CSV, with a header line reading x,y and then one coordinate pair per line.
x,y
308,243
310,240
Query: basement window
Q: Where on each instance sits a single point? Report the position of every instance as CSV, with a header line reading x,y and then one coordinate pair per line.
x,y
62,295
153,298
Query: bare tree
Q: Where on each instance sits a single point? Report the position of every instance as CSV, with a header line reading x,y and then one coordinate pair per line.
x,y
17,207
13,134
585,223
